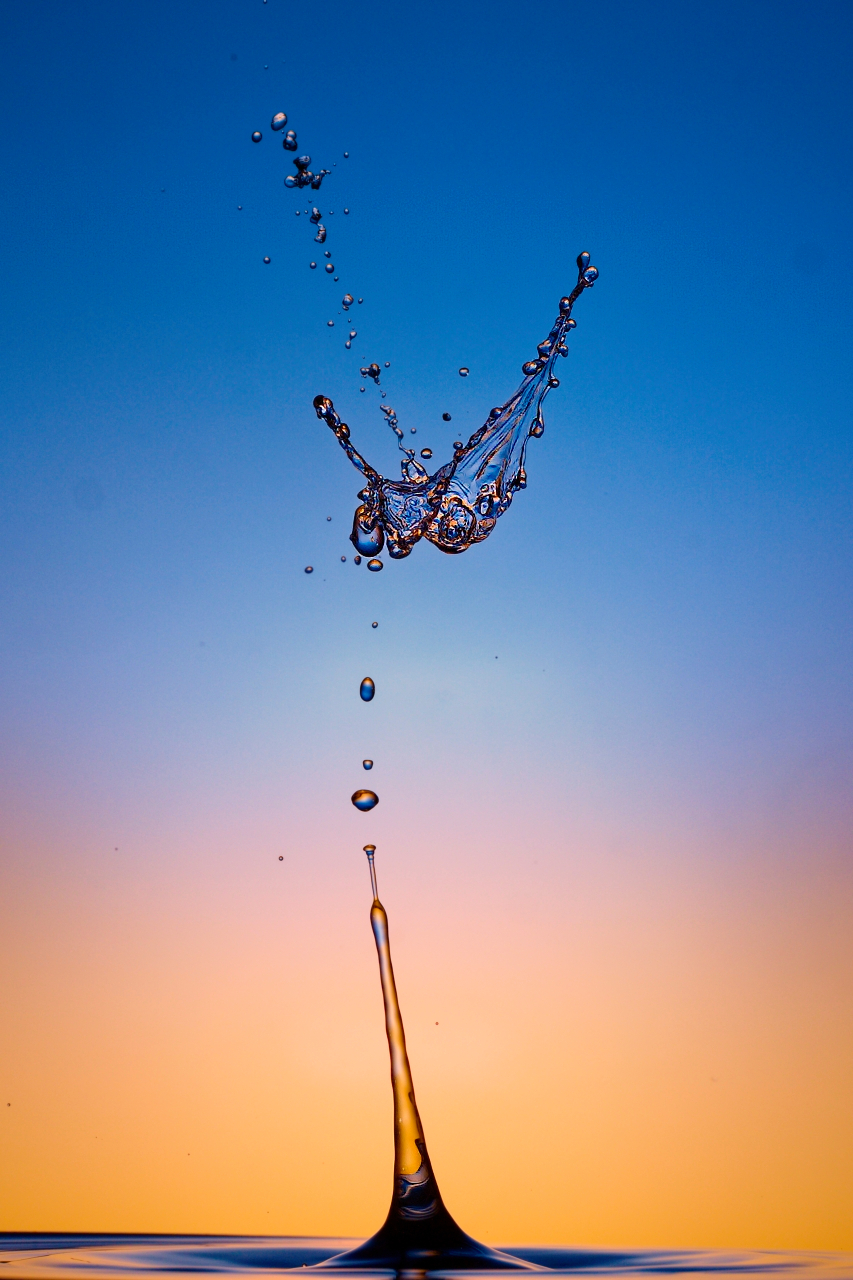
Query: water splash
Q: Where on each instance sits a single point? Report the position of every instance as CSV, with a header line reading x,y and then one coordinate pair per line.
x,y
460,503
418,1234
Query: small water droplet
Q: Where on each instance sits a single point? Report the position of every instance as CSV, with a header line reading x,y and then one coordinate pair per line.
x,y
346,210
367,764
348,344
346,155
330,323
356,559
267,261
329,268
309,568
374,624
278,121
375,565
583,260
347,300
591,275
426,453
353,333
360,301
366,689
257,135
387,364
343,559
281,855
365,800
313,266
463,372
446,417
457,444
327,253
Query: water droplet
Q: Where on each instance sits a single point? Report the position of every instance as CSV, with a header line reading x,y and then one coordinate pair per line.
x,y
374,624
375,565
367,764
426,453
348,344
267,261
360,301
457,444
387,364
328,519
346,155
347,300
290,144
281,855
366,689
591,275
329,268
239,206
327,253
463,372
583,260
257,135
330,323
368,848
278,121
365,800
356,559
353,333
309,568
346,210
343,559
446,417
313,266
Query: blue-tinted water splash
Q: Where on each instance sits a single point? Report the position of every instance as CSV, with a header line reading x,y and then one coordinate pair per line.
x,y
460,503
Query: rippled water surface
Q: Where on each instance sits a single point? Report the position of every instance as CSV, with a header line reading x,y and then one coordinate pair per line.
x,y
102,1256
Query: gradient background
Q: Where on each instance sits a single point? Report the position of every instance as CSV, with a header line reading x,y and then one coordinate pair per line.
x,y
613,743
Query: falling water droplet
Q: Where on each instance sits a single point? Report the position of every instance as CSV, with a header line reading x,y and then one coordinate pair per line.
x,y
463,372
313,266
360,301
356,559
281,855
327,253
267,261
309,568
346,210
591,275
348,345
446,417
375,565
330,323
343,559
367,764
374,624
347,300
583,260
367,688
257,135
346,155
365,800
278,121
426,453
353,333
239,206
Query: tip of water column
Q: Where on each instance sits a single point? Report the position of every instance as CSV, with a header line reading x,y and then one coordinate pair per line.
x,y
370,849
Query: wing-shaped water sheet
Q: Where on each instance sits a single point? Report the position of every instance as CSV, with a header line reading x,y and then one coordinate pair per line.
x,y
460,503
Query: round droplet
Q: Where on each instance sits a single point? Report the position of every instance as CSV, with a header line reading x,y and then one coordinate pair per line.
x,y
346,210
346,155
309,568
257,135
426,453
348,345
366,689
278,121
313,266
446,417
328,519
367,764
347,300
375,565
591,275
463,372
374,624
457,444
360,301
387,364
267,261
343,559
365,800
281,857
357,559
239,206
329,268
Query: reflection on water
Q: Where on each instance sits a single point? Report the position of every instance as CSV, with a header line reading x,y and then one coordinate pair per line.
x,y
102,1257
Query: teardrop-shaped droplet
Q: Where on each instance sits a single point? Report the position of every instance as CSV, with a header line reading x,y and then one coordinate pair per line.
x,y
375,565
464,371
257,135
278,121
366,689
367,764
364,800
583,260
